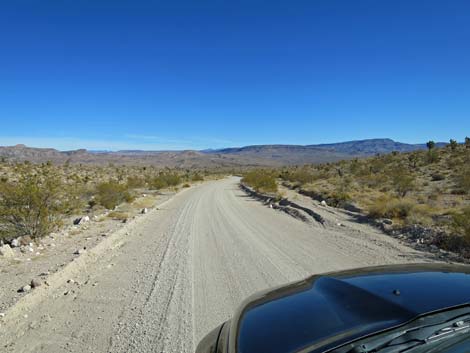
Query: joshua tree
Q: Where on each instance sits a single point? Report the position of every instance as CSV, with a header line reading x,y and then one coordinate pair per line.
x,y
430,145
453,144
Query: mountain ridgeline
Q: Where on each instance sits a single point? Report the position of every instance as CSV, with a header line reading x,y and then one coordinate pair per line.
x,y
248,156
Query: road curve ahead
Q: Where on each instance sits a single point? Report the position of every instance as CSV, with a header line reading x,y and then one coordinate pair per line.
x,y
185,268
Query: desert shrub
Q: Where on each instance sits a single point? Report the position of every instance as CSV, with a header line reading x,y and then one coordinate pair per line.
x,y
390,207
337,198
302,176
461,222
186,185
374,180
420,214
197,177
402,181
463,181
437,177
110,194
261,180
33,205
376,165
432,156
164,180
134,182
119,216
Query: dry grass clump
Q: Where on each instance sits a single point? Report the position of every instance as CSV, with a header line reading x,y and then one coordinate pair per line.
x,y
144,202
401,210
118,215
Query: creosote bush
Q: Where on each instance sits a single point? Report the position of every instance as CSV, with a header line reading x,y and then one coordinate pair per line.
x,y
261,180
463,180
197,177
391,207
35,203
461,223
110,194
164,180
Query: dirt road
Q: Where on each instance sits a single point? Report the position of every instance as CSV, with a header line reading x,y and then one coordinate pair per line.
x,y
183,270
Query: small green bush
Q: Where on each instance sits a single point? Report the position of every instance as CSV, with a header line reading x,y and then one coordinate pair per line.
x,y
165,180
110,194
302,176
402,181
261,180
461,223
197,177
34,204
135,182
390,207
463,181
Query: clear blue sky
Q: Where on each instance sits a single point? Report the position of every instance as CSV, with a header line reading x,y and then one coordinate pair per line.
x,y
197,74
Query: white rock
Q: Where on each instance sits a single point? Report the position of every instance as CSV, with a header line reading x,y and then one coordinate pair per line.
x,y
144,211
26,288
2,315
323,203
15,243
6,251
81,220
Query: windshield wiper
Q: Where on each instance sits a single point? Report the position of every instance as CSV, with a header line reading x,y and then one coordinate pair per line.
x,y
407,339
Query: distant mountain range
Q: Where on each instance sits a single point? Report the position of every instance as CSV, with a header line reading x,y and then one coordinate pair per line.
x,y
256,155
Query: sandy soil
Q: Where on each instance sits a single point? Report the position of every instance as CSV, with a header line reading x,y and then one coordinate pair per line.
x,y
163,281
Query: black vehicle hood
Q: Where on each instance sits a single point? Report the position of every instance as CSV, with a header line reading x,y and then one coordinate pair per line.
x,y
326,311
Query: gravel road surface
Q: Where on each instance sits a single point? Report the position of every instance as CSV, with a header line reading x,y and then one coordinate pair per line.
x,y
184,269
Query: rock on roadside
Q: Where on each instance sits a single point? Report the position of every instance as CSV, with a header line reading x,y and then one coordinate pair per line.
x,y
81,220
35,283
25,289
6,251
